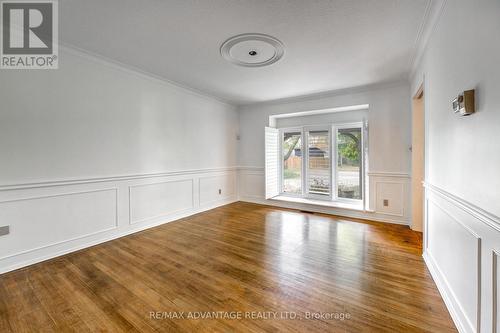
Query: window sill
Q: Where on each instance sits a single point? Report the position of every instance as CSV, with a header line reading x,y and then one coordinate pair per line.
x,y
323,203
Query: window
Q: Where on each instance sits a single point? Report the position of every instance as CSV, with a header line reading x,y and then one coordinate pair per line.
x,y
292,162
349,173
319,162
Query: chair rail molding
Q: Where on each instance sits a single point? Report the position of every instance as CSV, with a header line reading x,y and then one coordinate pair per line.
x,y
76,181
51,218
382,185
389,174
490,219
461,248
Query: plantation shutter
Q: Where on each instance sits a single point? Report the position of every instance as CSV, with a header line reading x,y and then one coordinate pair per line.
x,y
272,162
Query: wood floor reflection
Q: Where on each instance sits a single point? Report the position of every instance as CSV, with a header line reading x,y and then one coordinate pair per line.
x,y
274,268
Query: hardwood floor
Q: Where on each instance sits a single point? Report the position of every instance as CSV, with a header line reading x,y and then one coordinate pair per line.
x,y
241,258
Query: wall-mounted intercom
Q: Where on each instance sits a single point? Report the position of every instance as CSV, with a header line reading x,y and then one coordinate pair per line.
x,y
464,103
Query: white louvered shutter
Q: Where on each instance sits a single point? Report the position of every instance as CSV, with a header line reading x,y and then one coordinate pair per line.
x,y
272,162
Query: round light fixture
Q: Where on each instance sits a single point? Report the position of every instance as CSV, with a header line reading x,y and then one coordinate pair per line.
x,y
252,50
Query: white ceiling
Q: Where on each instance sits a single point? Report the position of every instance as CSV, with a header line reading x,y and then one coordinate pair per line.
x,y
329,45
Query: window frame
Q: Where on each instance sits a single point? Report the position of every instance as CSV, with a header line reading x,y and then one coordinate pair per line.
x,y
335,129
314,128
333,157
282,164
304,130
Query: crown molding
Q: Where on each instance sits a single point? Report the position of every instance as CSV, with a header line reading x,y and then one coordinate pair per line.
x,y
329,93
431,17
118,65
433,13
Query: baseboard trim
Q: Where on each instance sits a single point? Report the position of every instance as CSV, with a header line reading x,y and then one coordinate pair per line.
x,y
446,293
134,229
362,215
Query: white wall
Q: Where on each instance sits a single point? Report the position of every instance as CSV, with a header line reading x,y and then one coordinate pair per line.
x,y
321,119
389,141
389,122
462,228
94,150
92,119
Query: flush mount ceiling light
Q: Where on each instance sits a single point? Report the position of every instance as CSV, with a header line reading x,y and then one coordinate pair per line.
x,y
252,50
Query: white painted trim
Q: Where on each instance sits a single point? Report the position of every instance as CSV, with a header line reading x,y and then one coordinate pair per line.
x,y
233,196
122,218
230,198
482,215
101,236
118,65
361,215
429,25
59,195
445,291
421,29
319,202
389,174
272,161
329,93
57,243
403,197
478,271
71,239
334,154
321,111
162,215
281,165
496,292
111,237
367,214
251,168
77,181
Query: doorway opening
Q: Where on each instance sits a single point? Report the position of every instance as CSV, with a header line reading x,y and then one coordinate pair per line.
x,y
418,160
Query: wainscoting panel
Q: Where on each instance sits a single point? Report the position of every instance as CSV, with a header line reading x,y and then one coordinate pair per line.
x,y
252,183
215,188
158,200
393,187
496,291
393,194
390,194
38,222
458,258
461,251
49,219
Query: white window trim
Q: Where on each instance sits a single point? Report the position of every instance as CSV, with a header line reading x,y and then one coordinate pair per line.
x,y
306,129
332,130
281,166
335,128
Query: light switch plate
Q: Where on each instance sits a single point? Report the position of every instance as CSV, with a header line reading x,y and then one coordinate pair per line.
x,y
5,230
